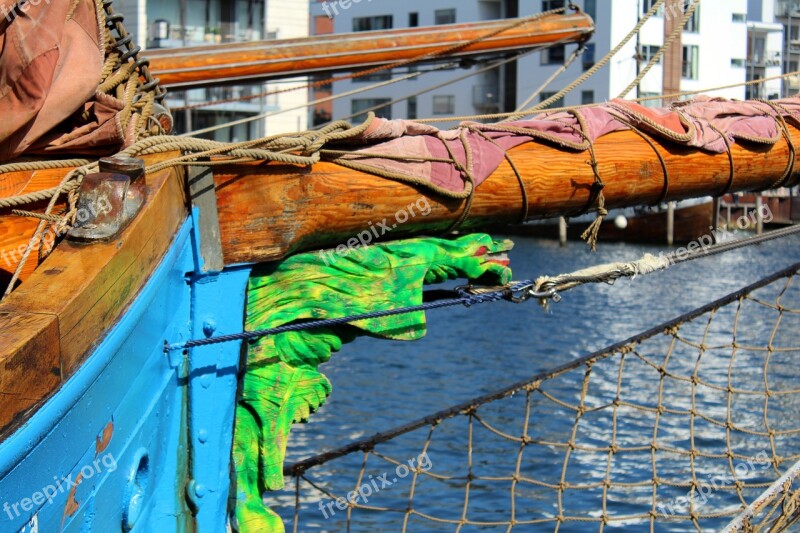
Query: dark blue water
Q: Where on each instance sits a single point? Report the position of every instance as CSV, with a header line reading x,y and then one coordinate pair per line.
x,y
381,384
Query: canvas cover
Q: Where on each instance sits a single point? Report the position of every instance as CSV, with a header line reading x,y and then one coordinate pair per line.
x,y
51,59
698,123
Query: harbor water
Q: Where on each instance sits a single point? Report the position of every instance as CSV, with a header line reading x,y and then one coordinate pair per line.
x,y
379,384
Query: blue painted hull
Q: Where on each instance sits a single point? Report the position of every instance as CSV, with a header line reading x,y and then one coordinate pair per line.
x,y
137,440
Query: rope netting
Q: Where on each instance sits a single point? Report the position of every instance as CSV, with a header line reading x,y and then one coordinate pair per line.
x,y
679,428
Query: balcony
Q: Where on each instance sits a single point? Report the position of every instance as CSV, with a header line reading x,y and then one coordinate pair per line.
x,y
772,58
783,8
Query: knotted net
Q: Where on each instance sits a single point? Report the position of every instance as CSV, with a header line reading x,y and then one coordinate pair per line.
x,y
679,428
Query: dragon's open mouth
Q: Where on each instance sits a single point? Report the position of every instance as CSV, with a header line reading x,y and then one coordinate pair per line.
x,y
499,255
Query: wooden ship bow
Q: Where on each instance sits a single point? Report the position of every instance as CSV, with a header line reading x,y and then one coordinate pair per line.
x,y
123,242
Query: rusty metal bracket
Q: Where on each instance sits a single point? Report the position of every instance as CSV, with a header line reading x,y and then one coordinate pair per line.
x,y
109,199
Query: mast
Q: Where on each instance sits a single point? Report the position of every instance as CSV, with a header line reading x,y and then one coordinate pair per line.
x,y
673,58
261,60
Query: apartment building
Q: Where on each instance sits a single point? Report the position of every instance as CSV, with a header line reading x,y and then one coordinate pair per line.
x,y
713,49
785,15
186,23
483,93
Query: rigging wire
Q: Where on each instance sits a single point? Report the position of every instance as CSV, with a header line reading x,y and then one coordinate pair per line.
x,y
676,32
517,115
596,67
451,81
315,102
543,289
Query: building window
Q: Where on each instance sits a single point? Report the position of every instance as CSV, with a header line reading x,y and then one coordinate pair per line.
x,y
739,17
547,95
737,63
360,106
444,16
549,5
588,56
587,97
691,60
555,55
382,22
444,105
384,75
693,24
649,51
411,112
413,20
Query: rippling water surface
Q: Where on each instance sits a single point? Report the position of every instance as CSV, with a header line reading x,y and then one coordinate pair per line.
x,y
381,384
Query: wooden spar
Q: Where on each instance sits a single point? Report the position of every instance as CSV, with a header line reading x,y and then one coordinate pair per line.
x,y
255,61
269,211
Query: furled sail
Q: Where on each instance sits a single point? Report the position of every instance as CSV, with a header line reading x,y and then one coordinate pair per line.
x,y
68,84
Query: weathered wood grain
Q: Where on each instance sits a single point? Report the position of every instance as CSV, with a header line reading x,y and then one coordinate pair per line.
x,y
29,362
79,292
269,211
284,58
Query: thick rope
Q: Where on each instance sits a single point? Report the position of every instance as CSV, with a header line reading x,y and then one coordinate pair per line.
x,y
597,66
563,68
610,272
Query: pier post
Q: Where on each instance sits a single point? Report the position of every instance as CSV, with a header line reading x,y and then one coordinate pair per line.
x,y
759,215
562,231
670,223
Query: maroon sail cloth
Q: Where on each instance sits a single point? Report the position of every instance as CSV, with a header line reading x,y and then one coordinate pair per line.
x,y
50,62
697,123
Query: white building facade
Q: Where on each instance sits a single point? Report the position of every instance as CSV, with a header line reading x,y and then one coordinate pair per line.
x,y
483,93
714,50
177,23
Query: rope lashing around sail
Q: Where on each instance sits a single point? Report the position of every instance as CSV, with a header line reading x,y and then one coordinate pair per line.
x,y
543,289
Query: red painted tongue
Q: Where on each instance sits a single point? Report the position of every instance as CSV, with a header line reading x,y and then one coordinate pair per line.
x,y
499,258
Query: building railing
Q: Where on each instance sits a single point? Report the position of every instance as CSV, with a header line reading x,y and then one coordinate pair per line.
x,y
782,9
